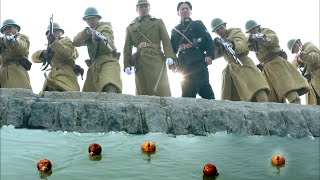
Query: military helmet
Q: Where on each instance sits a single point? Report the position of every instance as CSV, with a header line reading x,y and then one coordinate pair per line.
x,y
55,26
291,43
250,25
9,22
91,11
142,2
216,23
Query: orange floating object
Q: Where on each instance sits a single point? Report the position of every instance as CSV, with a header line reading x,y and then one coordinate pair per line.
x,y
148,147
278,159
94,149
44,165
210,170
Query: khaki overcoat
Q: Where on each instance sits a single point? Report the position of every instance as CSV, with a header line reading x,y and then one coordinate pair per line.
x,y
61,77
240,82
105,68
311,60
12,74
279,73
150,60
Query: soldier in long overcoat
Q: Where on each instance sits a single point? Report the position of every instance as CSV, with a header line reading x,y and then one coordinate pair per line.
x,y
284,80
61,56
103,74
146,33
241,82
14,51
192,42
308,61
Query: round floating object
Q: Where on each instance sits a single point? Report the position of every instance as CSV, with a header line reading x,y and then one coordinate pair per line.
x,y
278,159
94,149
210,170
44,165
148,147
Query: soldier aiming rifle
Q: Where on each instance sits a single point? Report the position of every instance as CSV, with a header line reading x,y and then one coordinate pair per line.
x,y
228,46
60,54
100,36
47,56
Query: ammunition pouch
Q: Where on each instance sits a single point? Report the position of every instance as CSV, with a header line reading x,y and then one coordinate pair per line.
x,y
78,70
88,62
134,59
260,66
283,54
308,77
25,63
116,55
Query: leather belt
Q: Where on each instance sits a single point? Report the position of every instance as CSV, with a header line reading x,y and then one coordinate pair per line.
x,y
148,45
182,47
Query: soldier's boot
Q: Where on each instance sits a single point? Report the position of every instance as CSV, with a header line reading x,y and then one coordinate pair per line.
x,y
293,97
110,88
261,96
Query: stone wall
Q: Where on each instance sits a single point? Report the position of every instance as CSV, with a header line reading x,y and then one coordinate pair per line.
x,y
103,112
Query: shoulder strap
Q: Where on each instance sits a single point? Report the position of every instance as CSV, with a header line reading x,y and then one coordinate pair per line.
x,y
182,34
145,37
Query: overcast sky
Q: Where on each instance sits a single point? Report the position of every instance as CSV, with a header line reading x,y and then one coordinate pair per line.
x,y
289,19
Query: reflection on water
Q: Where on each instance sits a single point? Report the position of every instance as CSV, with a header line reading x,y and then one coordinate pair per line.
x,y
177,157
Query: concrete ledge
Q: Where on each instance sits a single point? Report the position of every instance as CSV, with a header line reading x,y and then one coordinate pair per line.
x,y
103,112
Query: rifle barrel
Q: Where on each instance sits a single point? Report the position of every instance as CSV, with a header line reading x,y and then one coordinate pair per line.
x,y
228,47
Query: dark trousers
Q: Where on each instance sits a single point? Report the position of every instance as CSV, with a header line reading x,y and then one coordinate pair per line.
x,y
192,88
196,81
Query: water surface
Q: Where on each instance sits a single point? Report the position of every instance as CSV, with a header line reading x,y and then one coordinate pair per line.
x,y
177,157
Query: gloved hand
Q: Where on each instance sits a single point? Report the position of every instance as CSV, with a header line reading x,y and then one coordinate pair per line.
x,y
217,41
51,38
128,70
169,61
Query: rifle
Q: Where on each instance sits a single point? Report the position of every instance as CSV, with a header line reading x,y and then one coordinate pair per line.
x,y
260,36
47,59
100,36
11,38
228,46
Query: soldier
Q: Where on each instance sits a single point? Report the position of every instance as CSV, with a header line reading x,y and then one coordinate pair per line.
x,y
241,82
14,51
146,33
104,69
283,79
308,61
61,55
194,45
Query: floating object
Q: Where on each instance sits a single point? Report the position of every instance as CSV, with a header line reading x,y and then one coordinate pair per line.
x,y
278,159
210,170
94,149
44,165
148,147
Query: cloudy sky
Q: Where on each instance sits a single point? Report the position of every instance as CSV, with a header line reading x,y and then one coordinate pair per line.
x,y
289,19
